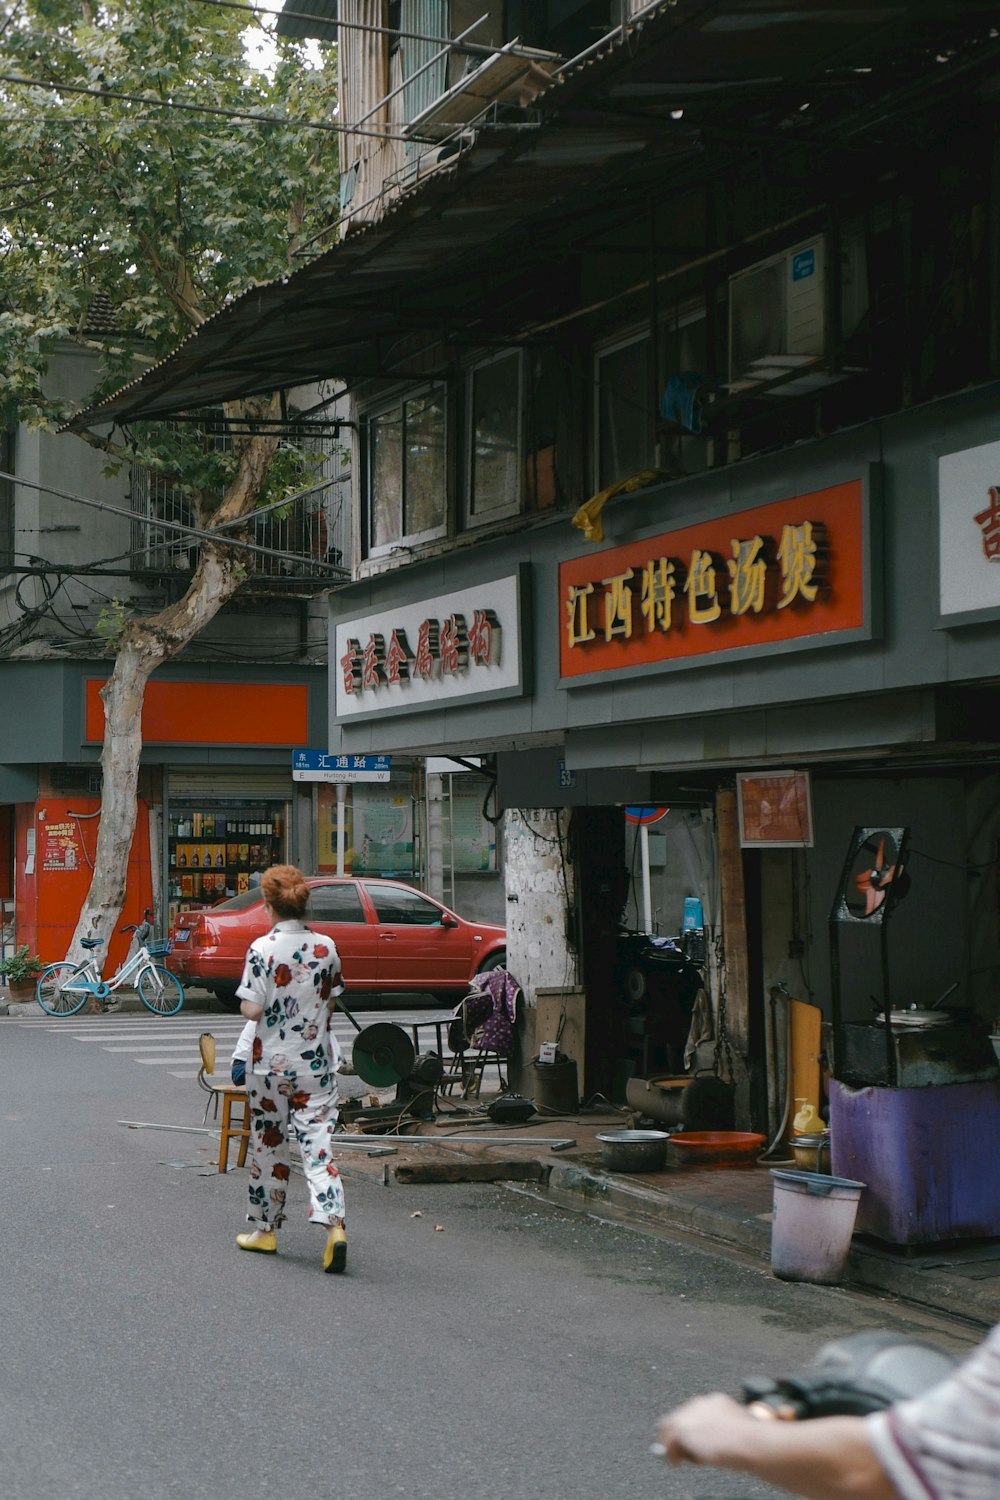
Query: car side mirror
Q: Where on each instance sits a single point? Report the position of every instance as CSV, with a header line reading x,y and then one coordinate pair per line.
x,y
447,920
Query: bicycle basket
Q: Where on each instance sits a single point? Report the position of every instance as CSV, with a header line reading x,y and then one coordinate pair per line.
x,y
157,950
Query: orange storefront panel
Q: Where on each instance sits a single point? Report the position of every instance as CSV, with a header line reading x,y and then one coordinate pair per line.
x,y
788,571
212,713
56,843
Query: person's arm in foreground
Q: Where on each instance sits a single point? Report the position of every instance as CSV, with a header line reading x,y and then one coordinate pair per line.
x,y
826,1458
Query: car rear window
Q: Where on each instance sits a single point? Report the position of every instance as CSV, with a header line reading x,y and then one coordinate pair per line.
x,y
238,903
335,903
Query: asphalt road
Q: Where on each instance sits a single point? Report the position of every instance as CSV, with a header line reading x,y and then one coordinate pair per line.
x,y
516,1350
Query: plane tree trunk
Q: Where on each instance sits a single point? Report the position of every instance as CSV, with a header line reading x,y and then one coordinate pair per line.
x,y
146,643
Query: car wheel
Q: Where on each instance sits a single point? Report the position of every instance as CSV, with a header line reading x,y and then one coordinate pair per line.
x,y
496,960
227,996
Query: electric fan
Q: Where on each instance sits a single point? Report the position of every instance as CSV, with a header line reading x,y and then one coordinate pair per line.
x,y
873,876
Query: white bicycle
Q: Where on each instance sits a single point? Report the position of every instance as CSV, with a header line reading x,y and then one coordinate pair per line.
x,y
64,988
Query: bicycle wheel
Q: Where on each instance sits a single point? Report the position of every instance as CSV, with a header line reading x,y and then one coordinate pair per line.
x,y
50,994
160,991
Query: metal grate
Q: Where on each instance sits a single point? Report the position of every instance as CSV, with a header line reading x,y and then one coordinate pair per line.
x,y
307,540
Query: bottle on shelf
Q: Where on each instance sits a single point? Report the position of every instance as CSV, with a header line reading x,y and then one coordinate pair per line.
x,y
195,861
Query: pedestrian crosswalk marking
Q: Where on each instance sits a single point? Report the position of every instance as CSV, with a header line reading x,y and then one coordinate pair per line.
x,y
169,1041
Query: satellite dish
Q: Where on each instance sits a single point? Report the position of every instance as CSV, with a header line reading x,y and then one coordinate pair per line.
x,y
383,1054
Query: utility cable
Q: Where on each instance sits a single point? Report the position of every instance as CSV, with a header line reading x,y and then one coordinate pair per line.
x,y
479,48
198,109
176,526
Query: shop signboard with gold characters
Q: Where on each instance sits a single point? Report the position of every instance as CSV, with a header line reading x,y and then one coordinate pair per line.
x,y
777,577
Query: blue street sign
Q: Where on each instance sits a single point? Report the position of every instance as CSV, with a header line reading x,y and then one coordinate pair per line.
x,y
326,765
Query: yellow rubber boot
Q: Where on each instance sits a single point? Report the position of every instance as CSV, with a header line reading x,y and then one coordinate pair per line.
x,y
262,1240
335,1250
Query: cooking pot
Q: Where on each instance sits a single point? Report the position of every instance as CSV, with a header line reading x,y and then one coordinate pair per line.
x,y
633,1150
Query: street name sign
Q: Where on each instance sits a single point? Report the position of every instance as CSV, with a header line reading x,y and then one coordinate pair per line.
x,y
323,765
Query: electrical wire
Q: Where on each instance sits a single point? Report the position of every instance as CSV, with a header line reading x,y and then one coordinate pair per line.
x,y
198,109
479,48
161,524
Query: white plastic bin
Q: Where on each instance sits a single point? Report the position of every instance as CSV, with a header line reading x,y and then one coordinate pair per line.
x,y
814,1218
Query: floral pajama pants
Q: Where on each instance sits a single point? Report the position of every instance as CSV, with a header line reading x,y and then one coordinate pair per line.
x,y
277,1114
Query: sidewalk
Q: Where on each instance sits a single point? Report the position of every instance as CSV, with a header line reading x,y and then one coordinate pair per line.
x,y
731,1206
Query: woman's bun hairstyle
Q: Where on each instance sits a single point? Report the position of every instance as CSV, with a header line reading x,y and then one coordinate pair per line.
x,y
285,891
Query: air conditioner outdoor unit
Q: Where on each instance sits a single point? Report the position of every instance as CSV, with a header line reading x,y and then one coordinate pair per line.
x,y
778,323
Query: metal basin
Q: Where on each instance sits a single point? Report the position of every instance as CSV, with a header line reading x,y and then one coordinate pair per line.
x,y
634,1150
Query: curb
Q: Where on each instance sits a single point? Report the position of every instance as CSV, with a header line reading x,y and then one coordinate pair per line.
x,y
591,1190
956,1295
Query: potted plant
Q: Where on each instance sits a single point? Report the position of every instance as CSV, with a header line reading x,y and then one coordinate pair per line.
x,y
19,971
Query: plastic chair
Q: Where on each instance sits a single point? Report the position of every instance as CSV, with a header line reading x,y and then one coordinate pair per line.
x,y
229,1093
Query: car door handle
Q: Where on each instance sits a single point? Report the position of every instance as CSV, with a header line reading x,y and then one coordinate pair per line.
x,y
388,937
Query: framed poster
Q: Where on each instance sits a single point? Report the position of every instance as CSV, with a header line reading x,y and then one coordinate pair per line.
x,y
775,809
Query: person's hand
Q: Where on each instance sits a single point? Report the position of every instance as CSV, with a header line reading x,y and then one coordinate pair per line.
x,y
701,1431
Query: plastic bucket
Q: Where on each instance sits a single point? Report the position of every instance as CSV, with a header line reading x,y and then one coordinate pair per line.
x,y
813,1223
556,1087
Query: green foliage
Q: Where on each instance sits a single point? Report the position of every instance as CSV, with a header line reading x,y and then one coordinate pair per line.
x,y
111,622
20,965
157,215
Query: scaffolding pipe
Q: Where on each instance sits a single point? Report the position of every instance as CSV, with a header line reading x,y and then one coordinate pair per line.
x,y
424,68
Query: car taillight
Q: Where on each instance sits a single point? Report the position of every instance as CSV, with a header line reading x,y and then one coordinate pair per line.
x,y
204,936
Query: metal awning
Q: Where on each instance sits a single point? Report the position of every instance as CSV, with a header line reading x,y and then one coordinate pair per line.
x,y
490,241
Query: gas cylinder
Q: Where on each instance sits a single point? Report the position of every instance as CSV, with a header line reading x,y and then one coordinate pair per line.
x,y
807,1119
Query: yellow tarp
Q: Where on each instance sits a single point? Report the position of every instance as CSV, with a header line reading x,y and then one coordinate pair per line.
x,y
588,517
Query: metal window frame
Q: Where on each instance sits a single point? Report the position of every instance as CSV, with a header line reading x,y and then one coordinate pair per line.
x,y
514,508
367,417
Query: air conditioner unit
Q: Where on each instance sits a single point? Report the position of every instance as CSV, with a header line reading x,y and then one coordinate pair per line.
x,y
778,323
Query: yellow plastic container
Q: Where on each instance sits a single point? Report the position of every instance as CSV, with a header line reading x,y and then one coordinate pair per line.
x,y
807,1119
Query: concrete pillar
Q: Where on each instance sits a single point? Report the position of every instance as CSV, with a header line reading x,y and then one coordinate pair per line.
x,y
540,901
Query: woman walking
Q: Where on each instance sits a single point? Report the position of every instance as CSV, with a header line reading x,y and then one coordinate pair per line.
x,y
289,986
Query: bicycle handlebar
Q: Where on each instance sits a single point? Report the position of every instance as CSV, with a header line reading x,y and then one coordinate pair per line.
x,y
134,926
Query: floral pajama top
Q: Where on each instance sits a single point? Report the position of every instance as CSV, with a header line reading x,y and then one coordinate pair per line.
x,y
292,972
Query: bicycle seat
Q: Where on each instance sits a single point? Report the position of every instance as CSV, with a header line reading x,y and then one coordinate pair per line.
x,y
91,942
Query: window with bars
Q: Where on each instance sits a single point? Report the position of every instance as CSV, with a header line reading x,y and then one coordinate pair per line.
x,y
291,539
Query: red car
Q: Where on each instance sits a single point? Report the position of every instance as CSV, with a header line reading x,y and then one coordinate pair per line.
x,y
389,937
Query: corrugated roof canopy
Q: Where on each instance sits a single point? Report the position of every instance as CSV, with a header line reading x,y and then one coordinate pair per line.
x,y
448,261
301,19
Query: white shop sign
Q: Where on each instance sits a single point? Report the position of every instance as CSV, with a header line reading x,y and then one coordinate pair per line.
x,y
463,645
969,534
